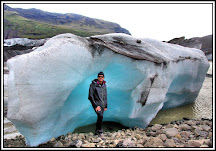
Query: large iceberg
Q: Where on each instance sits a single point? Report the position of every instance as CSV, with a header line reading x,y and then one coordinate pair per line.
x,y
48,88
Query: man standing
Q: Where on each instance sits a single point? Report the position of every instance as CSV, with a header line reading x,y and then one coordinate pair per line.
x,y
98,98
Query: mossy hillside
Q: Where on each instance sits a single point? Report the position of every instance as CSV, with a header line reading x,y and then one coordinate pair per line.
x,y
27,28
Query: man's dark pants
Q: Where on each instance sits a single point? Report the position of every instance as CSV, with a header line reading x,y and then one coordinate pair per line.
x,y
99,124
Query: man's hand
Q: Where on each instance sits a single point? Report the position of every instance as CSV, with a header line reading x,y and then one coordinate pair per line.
x,y
98,108
105,109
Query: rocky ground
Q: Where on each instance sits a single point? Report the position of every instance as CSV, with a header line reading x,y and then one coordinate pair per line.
x,y
184,133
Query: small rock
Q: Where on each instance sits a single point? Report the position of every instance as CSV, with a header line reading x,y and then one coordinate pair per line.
x,y
203,134
194,127
69,133
197,131
207,142
68,143
88,145
115,142
185,134
74,138
169,143
64,141
134,138
169,126
159,132
127,130
194,143
175,139
52,139
144,140
186,118
190,122
138,41
122,133
184,127
175,126
126,143
210,135
153,142
58,144
209,123
202,141
171,132
178,136
70,137
110,145
85,142
109,134
151,134
204,146
180,145
156,127
138,136
121,42
102,142
82,136
76,143
163,137
205,127
139,145
91,134
113,135
97,140
198,123
191,136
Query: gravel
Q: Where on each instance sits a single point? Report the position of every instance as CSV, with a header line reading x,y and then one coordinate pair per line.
x,y
188,133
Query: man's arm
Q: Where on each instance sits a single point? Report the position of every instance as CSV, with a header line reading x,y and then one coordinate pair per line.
x,y
106,99
91,96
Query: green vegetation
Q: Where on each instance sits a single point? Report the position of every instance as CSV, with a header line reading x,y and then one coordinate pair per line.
x,y
27,28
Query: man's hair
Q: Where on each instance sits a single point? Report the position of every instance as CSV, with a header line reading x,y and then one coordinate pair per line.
x,y
100,73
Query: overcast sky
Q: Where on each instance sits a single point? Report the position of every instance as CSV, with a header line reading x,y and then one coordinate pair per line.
x,y
157,21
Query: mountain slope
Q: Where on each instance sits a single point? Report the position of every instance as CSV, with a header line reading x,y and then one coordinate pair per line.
x,y
38,24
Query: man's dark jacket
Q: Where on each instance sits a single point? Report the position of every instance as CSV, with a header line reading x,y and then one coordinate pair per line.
x,y
98,94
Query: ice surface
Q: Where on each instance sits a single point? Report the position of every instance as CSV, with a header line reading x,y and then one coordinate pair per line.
x,y
48,88
24,42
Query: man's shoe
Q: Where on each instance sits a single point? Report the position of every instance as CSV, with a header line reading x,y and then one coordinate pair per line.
x,y
102,136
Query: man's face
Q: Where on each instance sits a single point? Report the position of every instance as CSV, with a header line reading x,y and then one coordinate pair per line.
x,y
100,78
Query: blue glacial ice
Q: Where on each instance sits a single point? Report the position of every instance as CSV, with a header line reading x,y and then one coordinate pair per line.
x,y
48,88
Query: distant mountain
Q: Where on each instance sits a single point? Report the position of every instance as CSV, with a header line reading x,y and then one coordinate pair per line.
x,y
203,43
38,24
